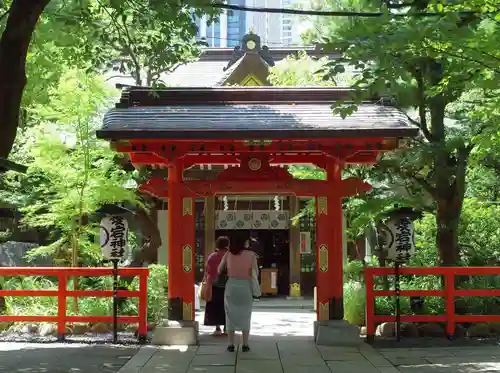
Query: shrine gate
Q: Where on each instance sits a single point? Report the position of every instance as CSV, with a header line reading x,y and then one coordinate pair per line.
x,y
252,129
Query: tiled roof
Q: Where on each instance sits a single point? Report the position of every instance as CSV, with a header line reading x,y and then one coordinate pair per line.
x,y
253,121
196,74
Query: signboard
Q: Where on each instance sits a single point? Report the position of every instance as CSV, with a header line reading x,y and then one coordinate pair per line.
x,y
114,237
305,242
398,239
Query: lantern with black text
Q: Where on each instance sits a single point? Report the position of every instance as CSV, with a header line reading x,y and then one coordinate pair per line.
x,y
397,238
114,237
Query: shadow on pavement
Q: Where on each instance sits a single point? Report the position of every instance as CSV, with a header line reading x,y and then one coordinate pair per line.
x,y
63,358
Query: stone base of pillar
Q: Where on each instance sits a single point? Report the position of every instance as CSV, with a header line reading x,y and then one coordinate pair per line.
x,y
176,333
336,333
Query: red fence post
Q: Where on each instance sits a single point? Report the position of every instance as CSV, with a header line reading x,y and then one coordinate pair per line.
x,y
61,305
142,330
449,284
369,307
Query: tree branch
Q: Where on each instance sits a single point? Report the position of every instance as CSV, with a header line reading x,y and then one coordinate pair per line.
x,y
465,58
4,14
421,104
127,45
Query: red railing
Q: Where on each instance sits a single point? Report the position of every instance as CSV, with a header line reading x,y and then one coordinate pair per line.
x,y
449,293
62,293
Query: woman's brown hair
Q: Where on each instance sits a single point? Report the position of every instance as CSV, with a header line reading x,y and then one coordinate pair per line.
x,y
222,243
238,245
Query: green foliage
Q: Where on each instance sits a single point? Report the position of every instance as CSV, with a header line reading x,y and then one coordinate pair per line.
x,y
157,292
443,72
354,302
298,70
71,173
142,38
478,235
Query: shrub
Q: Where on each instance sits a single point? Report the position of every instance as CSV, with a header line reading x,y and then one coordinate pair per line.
x,y
354,302
89,306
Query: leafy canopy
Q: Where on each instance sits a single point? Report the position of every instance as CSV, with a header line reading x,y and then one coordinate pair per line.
x,y
72,173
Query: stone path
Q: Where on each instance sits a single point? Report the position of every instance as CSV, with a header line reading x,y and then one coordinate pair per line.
x,y
297,356
286,356
277,323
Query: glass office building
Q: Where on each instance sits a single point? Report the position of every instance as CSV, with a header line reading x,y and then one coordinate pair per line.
x,y
228,31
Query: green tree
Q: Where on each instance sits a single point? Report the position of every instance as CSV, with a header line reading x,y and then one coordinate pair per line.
x,y
429,65
141,38
72,173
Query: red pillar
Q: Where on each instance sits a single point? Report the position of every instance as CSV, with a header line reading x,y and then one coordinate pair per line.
x,y
181,243
329,271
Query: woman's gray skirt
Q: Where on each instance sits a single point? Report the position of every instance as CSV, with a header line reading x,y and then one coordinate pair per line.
x,y
238,302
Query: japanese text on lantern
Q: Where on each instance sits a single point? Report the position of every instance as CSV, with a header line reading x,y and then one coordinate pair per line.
x,y
404,239
114,237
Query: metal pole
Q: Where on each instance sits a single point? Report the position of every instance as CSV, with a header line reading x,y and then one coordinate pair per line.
x,y
115,301
398,305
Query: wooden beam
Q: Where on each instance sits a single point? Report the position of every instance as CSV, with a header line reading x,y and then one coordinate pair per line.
x,y
158,187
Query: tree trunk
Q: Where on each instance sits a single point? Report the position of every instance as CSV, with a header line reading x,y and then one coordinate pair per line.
x,y
447,232
14,43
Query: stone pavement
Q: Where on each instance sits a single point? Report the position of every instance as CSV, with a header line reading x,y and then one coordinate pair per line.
x,y
296,355
281,342
63,358
463,359
293,355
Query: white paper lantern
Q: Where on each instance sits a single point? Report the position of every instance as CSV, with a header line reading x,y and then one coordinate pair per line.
x,y
398,239
114,237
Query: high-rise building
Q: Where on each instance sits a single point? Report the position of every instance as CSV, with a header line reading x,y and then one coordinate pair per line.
x,y
275,29
228,31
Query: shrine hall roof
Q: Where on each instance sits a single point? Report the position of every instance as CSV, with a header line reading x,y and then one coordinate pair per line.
x,y
247,113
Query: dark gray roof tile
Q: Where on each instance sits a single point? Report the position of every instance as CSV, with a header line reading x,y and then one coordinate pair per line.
x,y
254,121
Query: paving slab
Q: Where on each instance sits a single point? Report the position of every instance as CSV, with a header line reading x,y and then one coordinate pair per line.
x,y
261,351
172,362
352,367
211,369
140,359
309,369
212,349
226,358
298,350
379,361
461,360
259,366
340,353
409,360
478,351
302,361
388,369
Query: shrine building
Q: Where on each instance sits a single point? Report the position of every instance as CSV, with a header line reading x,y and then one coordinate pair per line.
x,y
221,155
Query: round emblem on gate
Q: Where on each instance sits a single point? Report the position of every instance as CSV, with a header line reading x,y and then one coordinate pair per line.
x,y
254,164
